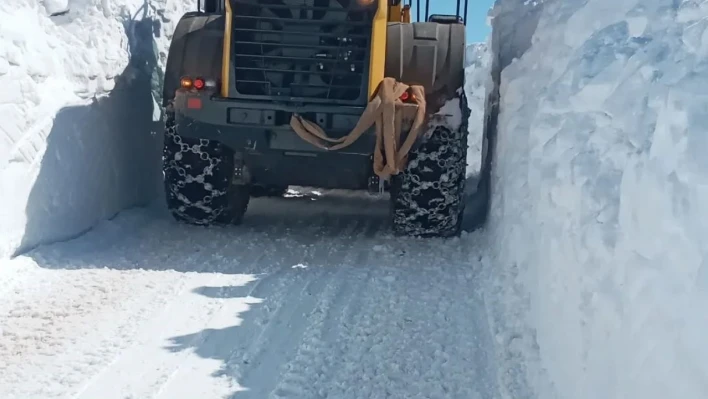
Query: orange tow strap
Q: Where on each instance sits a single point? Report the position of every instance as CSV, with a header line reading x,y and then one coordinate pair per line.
x,y
388,112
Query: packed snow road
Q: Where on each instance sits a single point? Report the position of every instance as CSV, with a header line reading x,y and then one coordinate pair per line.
x,y
310,298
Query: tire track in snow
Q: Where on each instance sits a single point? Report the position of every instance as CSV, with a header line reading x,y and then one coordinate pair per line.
x,y
283,292
397,343
211,337
223,310
284,334
294,381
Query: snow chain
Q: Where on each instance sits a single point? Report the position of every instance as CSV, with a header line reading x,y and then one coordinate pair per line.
x,y
388,112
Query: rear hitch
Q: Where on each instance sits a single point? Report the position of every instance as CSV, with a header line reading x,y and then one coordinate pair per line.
x,y
241,175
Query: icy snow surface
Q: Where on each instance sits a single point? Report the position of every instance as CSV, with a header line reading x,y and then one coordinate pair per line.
x,y
600,216
310,298
77,111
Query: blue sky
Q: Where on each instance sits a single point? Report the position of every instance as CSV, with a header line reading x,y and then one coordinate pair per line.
x,y
477,29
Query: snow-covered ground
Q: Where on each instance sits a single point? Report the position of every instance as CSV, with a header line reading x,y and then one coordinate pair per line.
x,y
600,209
311,298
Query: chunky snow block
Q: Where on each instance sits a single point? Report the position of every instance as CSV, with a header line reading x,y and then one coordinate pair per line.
x,y
261,97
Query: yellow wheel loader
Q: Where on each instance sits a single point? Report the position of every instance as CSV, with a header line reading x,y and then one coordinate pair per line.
x,y
340,94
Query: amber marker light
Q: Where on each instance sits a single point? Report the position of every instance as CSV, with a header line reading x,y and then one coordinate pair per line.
x,y
186,83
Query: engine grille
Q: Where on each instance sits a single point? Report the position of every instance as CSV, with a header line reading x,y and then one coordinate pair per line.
x,y
301,50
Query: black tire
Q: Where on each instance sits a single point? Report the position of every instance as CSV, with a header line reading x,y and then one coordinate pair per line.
x,y
427,198
198,179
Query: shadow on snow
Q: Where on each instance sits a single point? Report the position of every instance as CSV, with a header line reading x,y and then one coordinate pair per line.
x,y
104,156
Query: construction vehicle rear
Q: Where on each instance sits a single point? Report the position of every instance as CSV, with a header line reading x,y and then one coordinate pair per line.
x,y
259,92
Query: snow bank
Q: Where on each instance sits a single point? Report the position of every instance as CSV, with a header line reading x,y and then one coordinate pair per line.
x,y
77,112
477,84
600,194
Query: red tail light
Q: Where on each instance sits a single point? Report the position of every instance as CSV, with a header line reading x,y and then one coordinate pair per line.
x,y
190,84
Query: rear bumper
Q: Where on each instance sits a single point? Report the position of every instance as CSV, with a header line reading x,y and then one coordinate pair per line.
x,y
272,153
262,126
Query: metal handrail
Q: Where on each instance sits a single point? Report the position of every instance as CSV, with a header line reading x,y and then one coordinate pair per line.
x,y
461,5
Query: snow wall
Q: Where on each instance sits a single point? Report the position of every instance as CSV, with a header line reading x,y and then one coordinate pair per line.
x,y
477,83
78,116
599,220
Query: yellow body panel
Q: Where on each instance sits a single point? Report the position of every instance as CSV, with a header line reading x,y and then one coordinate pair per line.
x,y
378,47
226,54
